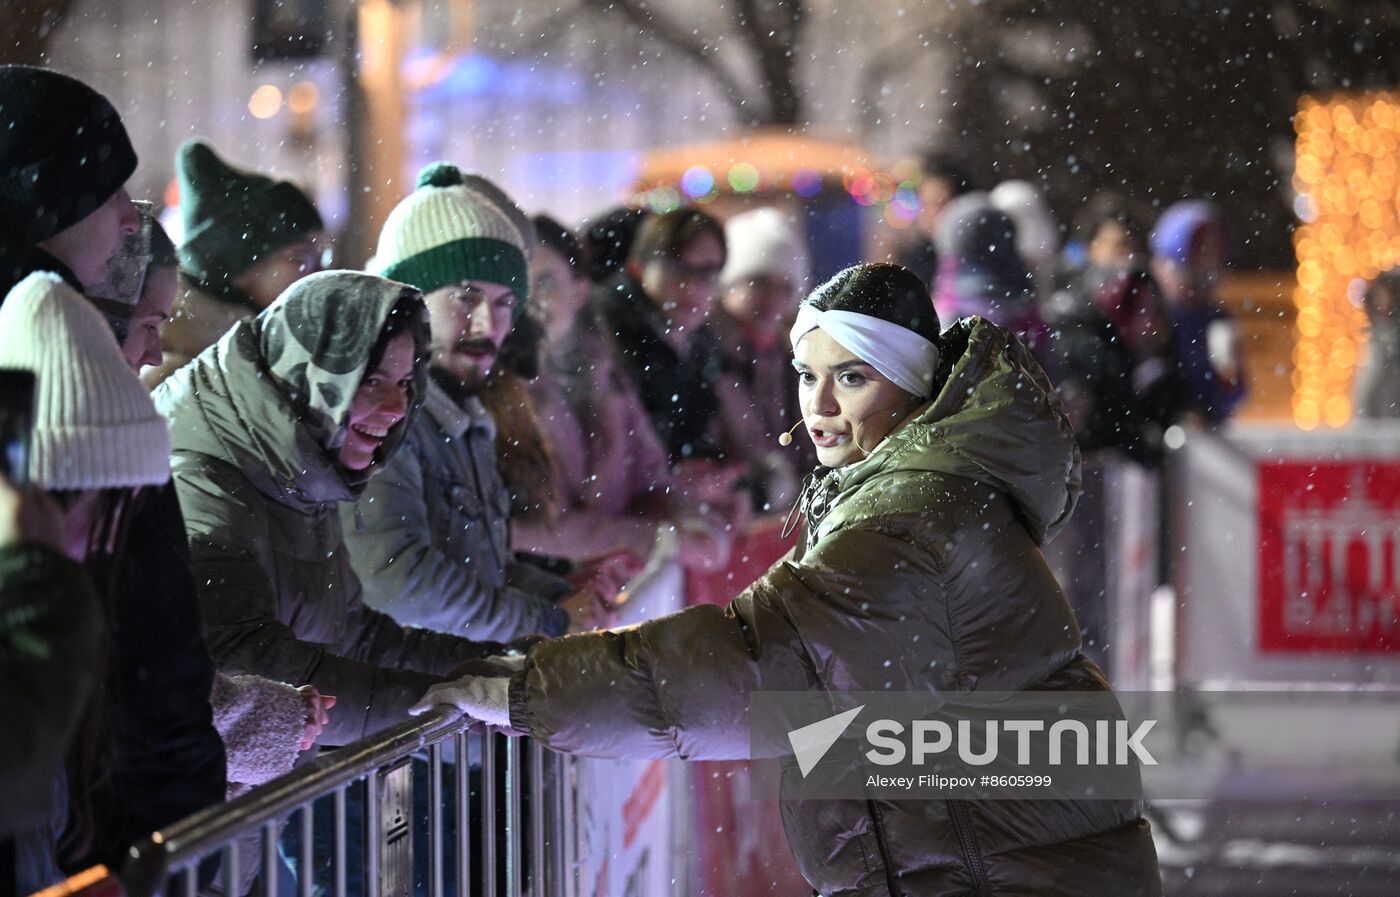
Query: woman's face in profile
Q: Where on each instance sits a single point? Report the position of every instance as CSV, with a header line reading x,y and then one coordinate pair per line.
x,y
847,405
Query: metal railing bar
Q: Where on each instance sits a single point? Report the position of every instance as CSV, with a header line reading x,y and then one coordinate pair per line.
x,y
214,826
270,863
306,878
513,832
488,814
464,816
435,820
374,824
231,870
191,874
539,806
341,870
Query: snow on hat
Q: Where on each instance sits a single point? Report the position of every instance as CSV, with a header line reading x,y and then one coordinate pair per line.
x,y
977,253
1037,234
63,152
234,218
95,426
453,228
764,241
1178,226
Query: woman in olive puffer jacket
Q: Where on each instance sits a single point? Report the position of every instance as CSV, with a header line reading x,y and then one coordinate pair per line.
x,y
947,462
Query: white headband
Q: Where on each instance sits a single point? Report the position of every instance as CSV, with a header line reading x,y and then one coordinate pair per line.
x,y
906,358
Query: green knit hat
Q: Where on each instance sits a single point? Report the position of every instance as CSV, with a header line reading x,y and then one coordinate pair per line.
x,y
453,228
235,218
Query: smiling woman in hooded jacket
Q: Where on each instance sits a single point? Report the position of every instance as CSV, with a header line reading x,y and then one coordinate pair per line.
x,y
947,462
283,418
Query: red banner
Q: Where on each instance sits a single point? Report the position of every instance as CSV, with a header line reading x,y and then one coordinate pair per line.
x,y
1329,557
740,847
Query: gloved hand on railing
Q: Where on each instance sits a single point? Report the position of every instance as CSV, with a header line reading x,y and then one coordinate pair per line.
x,y
484,698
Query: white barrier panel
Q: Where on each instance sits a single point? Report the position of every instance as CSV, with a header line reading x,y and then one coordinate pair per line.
x,y
628,812
1287,557
1106,562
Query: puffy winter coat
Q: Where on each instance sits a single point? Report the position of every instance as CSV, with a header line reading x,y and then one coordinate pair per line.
x,y
923,574
250,422
677,390
50,629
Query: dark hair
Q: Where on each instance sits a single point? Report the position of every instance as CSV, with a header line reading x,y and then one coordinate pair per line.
x,y
667,235
552,235
407,311
946,168
520,350
883,291
162,248
607,241
1108,208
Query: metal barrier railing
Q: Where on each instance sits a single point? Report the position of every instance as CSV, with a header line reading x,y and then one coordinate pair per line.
x,y
178,861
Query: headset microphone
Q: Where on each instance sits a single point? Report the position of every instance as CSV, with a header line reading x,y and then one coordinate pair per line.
x,y
785,439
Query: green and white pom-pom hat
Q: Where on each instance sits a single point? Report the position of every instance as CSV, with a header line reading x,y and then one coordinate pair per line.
x,y
455,227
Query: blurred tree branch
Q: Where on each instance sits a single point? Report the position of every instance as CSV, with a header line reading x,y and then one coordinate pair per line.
x,y
770,31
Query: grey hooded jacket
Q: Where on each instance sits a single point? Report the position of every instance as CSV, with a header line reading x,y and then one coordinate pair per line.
x,y
429,537
253,422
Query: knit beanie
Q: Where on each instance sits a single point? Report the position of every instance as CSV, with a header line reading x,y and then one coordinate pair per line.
x,y
453,228
95,426
1178,226
63,153
234,218
977,253
761,242
1037,233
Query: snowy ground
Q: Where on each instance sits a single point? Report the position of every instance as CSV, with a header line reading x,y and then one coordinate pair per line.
x,y
1274,848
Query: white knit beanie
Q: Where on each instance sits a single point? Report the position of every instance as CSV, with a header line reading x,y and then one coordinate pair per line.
x,y
95,426
455,227
763,242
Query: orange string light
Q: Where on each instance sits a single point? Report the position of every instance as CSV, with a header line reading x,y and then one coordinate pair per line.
x,y
1349,199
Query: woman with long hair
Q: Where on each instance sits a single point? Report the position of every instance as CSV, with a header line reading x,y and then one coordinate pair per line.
x,y
946,462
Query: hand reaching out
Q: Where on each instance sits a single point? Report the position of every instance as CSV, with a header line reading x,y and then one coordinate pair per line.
x,y
317,714
587,609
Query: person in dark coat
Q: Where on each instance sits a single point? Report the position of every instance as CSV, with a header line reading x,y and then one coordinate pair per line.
x,y
64,225
947,462
97,446
1188,259
656,308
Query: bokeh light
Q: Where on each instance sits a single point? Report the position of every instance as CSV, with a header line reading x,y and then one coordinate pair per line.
x,y
743,177
806,182
1347,181
265,102
303,97
697,181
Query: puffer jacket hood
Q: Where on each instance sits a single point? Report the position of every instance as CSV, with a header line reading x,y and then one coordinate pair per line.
x,y
996,420
272,397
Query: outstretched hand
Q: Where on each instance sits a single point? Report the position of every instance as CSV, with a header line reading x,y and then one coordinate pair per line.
x,y
317,714
484,698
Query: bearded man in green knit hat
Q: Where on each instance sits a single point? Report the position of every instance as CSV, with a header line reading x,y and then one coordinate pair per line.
x,y
247,237
430,536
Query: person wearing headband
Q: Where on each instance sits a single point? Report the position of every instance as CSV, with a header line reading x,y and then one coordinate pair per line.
x,y
947,462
